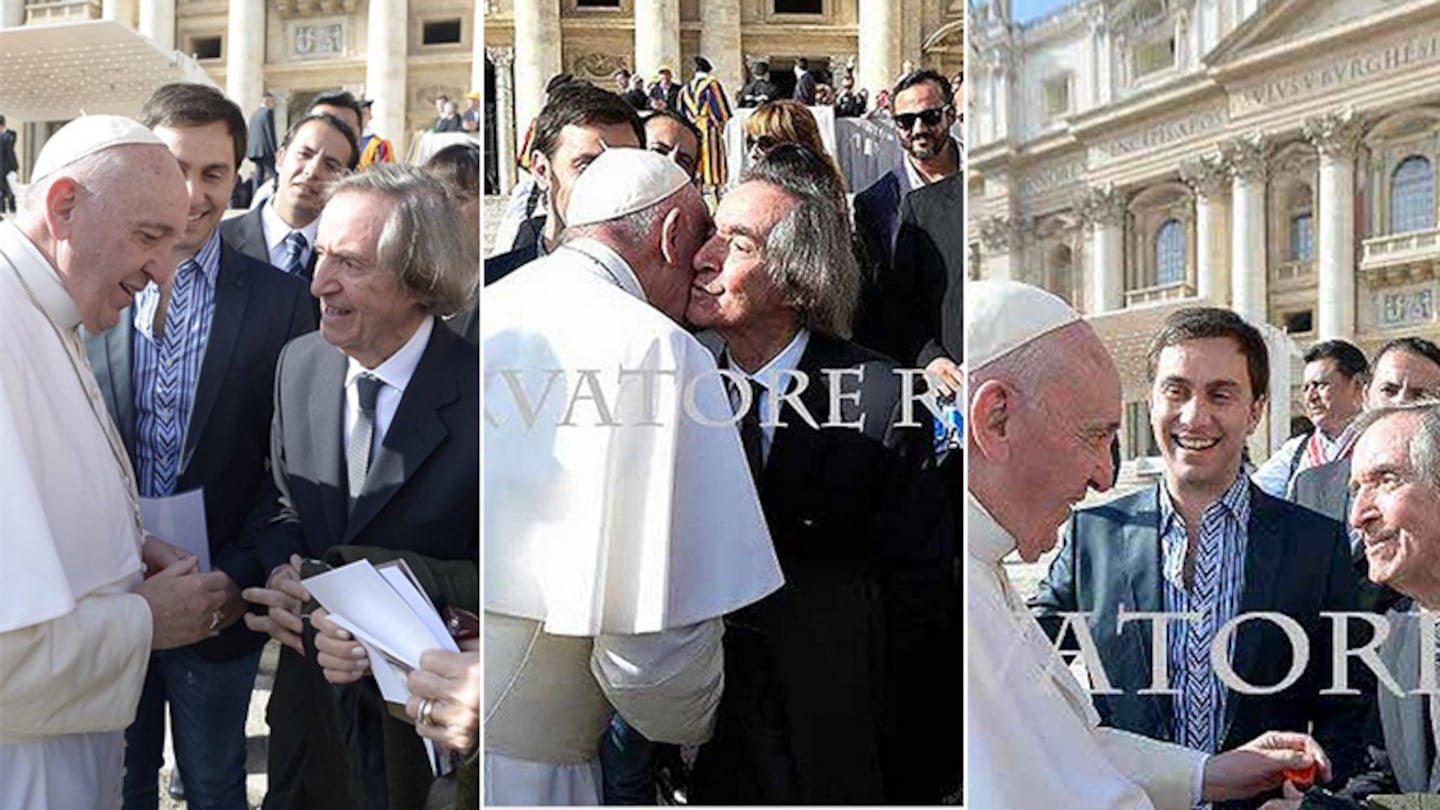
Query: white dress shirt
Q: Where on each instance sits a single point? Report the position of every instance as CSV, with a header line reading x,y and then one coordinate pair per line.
x,y
776,372
276,230
395,372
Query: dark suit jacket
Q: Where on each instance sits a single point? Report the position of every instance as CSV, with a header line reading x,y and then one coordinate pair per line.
x,y
1296,563
262,142
1326,489
247,234
227,440
8,161
671,97
807,709
502,265
877,223
924,289
421,497
805,87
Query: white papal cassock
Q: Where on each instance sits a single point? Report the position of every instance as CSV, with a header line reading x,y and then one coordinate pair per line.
x,y
610,549
74,642
1035,742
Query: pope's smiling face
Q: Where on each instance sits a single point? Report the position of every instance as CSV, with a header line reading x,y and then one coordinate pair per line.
x,y
1202,409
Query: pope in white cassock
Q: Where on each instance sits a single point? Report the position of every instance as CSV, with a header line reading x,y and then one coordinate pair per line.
x,y
620,519
1043,408
77,621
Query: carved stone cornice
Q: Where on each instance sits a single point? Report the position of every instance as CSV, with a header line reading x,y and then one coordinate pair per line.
x,y
997,234
1247,156
501,56
1101,205
300,9
1207,176
1335,134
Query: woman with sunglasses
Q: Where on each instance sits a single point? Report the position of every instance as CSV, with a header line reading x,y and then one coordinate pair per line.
x,y
776,123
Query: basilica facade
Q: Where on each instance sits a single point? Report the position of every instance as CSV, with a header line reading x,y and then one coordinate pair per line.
x,y
1276,156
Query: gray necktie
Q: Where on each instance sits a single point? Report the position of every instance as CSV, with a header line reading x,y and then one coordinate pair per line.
x,y
295,245
357,454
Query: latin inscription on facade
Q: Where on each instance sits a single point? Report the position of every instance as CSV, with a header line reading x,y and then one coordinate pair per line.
x,y
1352,68
1411,307
318,39
1048,177
1163,133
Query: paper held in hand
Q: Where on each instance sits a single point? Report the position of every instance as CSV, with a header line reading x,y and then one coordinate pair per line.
x,y
385,609
180,521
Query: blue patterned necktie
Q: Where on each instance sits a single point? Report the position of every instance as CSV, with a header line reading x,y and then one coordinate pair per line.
x,y
357,455
1204,598
295,245
169,422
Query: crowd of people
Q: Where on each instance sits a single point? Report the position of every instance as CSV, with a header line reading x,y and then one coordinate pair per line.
x,y
733,580
1181,597
304,366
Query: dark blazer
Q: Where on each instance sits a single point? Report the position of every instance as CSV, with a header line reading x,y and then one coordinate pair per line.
x,y
227,440
671,97
806,713
262,142
877,223
247,234
1296,563
805,87
421,497
502,265
1326,489
8,161
924,290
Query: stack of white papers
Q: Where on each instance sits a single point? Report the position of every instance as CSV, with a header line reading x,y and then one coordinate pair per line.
x,y
385,609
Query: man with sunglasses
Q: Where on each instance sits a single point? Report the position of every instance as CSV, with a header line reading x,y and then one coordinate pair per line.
x,y
922,106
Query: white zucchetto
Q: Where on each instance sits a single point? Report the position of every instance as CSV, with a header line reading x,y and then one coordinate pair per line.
x,y
1002,316
87,135
620,182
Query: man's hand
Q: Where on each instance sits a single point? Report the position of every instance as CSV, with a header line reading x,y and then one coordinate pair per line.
x,y
159,555
341,657
183,603
1260,765
234,606
1292,800
945,376
448,684
283,595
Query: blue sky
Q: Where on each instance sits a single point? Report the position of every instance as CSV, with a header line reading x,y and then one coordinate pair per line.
x,y
1027,10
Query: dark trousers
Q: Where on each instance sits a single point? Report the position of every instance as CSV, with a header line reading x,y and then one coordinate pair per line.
x,y
264,167
7,197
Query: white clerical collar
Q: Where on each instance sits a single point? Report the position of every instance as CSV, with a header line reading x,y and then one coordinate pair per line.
x,y
37,274
985,539
788,359
399,367
276,229
608,264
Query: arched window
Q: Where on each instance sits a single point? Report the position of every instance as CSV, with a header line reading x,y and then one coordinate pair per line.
x,y
1412,196
1170,253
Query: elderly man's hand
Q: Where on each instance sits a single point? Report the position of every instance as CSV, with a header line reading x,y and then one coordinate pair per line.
x,y
283,595
1260,765
450,682
342,658
159,555
184,604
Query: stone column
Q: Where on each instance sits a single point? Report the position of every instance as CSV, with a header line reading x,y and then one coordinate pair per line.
x,y
879,45
537,57
121,11
1208,179
657,35
720,43
1000,240
157,21
245,56
1245,157
1103,211
1337,138
385,78
504,60
12,13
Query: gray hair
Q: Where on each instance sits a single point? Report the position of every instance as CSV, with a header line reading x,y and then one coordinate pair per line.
x,y
96,173
1424,445
808,252
425,242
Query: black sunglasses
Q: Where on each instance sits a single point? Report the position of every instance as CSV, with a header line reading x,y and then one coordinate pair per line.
x,y
928,117
764,143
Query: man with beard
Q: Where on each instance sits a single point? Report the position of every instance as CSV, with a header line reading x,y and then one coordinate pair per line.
x,y
923,110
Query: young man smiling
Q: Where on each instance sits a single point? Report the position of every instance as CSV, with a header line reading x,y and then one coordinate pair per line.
x,y
1206,541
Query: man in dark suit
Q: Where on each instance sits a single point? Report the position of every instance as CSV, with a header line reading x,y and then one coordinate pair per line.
x,y
262,140
578,122
1405,370
220,325
806,714
319,148
923,111
926,287
8,164
665,92
804,83
1207,541
375,447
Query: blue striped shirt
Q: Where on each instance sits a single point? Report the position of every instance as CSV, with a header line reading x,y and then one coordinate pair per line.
x,y
152,353
1226,521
